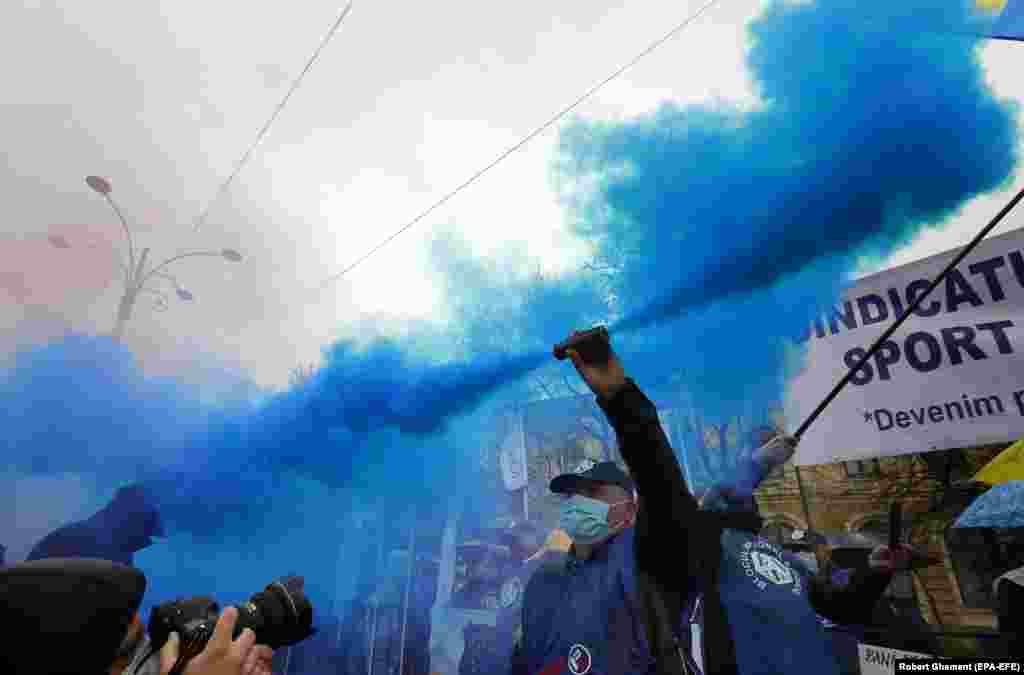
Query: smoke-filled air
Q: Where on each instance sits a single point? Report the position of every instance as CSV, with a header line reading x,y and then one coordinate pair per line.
x,y
716,232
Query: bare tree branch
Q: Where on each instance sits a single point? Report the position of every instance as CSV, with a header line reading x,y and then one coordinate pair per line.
x,y
568,385
544,387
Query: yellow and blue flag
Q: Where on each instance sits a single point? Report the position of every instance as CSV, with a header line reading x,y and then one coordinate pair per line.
x,y
1007,17
1006,466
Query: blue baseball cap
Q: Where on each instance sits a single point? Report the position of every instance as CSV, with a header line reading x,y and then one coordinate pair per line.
x,y
590,471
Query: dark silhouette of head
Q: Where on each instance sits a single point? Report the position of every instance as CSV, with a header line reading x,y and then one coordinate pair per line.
x,y
122,528
136,517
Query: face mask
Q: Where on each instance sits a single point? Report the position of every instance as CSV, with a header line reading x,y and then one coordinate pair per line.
x,y
585,520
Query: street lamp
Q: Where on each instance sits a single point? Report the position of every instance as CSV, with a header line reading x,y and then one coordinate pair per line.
x,y
138,276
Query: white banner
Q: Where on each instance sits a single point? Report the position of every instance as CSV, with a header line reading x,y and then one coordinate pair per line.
x,y
952,376
513,453
878,660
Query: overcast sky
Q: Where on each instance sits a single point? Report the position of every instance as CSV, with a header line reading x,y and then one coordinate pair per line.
x,y
408,101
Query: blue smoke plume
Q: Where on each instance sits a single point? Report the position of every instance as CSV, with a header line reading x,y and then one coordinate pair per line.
x,y
874,121
717,233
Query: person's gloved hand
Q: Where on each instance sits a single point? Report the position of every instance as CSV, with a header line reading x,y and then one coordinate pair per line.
x,y
774,453
221,656
889,559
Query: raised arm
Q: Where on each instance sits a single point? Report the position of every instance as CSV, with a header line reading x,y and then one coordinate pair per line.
x,y
668,517
852,603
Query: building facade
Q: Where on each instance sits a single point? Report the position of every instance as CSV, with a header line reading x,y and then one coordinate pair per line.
x,y
854,497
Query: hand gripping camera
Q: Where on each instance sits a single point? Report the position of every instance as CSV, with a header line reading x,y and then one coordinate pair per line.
x,y
280,615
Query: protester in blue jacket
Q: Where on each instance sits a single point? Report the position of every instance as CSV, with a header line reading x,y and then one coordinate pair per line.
x,y
620,603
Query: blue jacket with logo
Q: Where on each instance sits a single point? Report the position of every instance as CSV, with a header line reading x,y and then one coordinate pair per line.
x,y
586,617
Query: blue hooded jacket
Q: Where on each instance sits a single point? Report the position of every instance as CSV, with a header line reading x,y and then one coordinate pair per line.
x,y
766,597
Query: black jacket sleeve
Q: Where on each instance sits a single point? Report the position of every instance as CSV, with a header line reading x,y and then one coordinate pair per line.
x,y
852,604
668,519
678,547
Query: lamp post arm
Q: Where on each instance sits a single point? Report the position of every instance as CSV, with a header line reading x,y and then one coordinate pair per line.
x,y
124,268
127,232
161,275
161,298
176,258
137,280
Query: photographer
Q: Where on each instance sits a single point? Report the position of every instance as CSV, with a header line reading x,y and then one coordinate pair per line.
x,y
80,617
222,655
134,654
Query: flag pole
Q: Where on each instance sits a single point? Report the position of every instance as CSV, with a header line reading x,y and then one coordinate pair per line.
x,y
906,314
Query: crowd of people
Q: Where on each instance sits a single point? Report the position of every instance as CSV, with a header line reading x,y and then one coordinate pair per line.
x,y
653,580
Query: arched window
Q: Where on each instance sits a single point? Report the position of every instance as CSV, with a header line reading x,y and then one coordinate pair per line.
x,y
779,527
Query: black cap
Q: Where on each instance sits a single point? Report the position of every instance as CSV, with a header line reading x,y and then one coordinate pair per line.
x,y
592,472
66,616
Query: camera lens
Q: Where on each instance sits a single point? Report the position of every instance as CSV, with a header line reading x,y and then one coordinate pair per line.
x,y
280,615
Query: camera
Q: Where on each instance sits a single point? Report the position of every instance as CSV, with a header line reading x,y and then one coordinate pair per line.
x,y
280,615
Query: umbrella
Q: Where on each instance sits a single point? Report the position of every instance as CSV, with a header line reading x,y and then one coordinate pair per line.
x,y
1006,466
1002,507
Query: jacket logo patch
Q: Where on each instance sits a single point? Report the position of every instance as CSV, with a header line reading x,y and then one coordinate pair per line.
x,y
579,660
771,569
764,564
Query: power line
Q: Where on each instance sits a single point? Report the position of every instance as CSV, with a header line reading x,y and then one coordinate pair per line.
x,y
277,111
536,132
